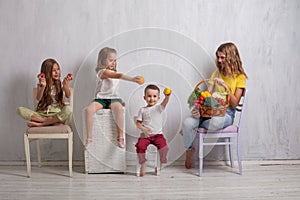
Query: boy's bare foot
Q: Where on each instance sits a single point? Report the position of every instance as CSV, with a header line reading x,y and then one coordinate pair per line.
x,y
188,159
121,142
143,169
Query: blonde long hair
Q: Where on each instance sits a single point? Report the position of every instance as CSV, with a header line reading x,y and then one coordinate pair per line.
x,y
102,58
46,100
232,60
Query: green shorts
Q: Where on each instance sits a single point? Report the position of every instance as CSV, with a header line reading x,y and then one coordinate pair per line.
x,y
106,102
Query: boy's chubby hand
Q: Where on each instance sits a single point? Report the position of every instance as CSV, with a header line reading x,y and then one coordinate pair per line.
x,y
146,131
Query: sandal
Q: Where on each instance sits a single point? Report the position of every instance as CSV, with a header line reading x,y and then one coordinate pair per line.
x,y
121,142
88,142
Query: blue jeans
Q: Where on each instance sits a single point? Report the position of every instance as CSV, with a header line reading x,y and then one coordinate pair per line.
x,y
214,123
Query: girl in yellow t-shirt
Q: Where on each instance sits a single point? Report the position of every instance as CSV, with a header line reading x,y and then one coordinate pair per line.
x,y
232,77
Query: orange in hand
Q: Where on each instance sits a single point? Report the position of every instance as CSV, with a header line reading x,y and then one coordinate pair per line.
x,y
167,91
141,80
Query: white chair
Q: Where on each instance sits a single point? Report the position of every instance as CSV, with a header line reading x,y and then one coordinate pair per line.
x,y
48,132
227,136
151,150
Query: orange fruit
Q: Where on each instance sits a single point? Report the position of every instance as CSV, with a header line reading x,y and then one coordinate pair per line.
x,y
142,80
167,91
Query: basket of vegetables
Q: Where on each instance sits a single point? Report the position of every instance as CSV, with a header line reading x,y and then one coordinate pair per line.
x,y
210,102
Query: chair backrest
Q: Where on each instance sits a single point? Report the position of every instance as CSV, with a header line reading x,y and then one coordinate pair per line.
x,y
241,107
35,102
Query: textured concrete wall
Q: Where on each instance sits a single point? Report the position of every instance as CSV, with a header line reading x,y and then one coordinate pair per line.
x,y
72,31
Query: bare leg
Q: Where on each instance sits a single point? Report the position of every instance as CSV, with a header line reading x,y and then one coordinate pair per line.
x,y
89,112
37,118
48,121
117,110
143,169
188,159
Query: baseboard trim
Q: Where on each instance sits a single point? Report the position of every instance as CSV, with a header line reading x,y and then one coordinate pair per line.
x,y
45,163
178,162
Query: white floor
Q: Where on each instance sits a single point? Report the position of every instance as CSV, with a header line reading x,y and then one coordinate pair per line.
x,y
260,180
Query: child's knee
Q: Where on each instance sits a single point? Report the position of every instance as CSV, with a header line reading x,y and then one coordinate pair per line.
x,y
140,147
25,113
165,148
19,110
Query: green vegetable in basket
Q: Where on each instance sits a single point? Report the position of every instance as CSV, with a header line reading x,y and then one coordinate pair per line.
x,y
195,94
210,102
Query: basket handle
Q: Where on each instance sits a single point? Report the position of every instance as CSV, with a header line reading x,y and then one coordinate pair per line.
x,y
204,80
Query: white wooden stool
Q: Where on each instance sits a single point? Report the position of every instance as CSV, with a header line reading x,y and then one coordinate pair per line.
x,y
103,155
150,153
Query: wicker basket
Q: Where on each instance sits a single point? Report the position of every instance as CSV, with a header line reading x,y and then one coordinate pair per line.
x,y
209,112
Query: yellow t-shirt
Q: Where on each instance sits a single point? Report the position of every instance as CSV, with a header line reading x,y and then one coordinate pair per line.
x,y
238,81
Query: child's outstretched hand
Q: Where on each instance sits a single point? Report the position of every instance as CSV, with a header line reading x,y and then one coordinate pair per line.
x,y
139,80
42,79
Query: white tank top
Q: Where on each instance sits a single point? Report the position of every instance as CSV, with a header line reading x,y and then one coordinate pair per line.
x,y
107,88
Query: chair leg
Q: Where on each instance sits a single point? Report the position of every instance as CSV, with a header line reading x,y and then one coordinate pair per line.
x,y
239,158
200,154
137,169
194,154
157,164
27,154
231,153
70,151
38,150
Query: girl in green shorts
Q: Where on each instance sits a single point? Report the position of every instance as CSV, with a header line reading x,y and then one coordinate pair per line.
x,y
107,93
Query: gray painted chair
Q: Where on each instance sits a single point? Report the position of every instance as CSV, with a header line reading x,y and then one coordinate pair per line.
x,y
227,136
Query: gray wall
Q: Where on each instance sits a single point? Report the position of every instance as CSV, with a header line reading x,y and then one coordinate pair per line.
x,y
266,33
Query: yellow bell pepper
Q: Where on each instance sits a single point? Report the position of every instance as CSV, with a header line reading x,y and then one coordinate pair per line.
x,y
205,94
